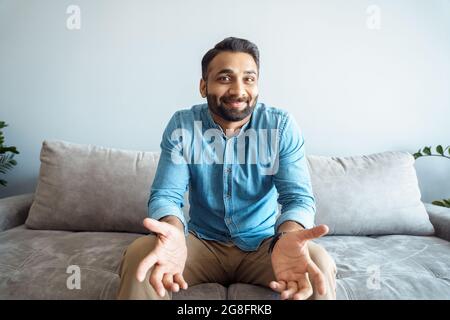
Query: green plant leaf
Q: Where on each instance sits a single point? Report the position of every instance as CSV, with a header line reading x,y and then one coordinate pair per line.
x,y
427,150
6,155
438,203
417,155
447,202
440,150
6,163
10,149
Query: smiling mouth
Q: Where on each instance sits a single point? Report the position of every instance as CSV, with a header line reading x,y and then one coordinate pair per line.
x,y
236,104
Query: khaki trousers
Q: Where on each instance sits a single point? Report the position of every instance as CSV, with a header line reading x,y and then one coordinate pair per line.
x,y
213,261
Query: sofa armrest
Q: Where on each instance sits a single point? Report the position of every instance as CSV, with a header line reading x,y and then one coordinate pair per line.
x,y
14,210
440,218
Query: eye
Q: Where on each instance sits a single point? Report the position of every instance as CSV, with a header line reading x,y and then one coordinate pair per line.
x,y
224,78
250,79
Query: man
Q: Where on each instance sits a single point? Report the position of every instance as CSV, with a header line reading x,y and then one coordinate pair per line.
x,y
234,233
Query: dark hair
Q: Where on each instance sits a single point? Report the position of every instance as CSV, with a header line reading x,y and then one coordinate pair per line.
x,y
230,44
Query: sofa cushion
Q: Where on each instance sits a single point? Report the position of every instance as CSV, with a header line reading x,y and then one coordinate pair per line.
x,y
390,267
440,218
203,291
244,291
91,188
14,210
34,264
378,267
369,195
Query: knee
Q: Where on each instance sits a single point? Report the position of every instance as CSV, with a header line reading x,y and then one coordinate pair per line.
x,y
322,258
138,249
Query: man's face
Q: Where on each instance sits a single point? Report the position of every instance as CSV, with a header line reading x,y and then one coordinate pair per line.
x,y
231,87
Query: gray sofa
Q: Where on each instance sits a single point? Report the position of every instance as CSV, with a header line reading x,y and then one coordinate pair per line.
x,y
90,200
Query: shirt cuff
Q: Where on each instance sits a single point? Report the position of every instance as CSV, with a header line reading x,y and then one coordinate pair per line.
x,y
170,211
302,216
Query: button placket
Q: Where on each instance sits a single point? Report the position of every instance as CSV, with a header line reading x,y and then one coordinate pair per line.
x,y
228,157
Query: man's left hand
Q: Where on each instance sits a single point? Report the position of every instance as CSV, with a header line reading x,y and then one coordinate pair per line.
x,y
293,267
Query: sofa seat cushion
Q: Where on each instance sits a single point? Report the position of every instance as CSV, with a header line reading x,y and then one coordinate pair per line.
x,y
34,265
390,267
380,267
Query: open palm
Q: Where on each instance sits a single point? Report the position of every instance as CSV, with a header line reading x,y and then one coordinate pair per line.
x,y
167,259
293,267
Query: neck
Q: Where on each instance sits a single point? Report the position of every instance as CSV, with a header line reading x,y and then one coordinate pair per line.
x,y
230,127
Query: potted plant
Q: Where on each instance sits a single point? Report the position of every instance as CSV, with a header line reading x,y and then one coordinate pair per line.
x,y
6,155
440,152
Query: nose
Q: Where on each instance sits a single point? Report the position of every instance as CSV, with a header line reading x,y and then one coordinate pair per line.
x,y
237,89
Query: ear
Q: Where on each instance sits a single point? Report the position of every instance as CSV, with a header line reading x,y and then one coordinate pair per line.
x,y
203,88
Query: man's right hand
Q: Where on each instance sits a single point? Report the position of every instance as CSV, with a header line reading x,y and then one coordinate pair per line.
x,y
167,258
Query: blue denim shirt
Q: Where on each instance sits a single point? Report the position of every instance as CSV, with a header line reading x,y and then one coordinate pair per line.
x,y
235,183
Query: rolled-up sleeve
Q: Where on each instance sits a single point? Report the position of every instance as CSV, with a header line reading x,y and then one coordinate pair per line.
x,y
172,176
292,179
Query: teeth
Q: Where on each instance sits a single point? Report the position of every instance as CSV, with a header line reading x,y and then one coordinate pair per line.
x,y
235,103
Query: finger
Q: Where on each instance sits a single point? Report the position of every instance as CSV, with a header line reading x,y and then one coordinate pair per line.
x,y
291,289
314,233
304,291
156,226
278,286
175,287
145,265
317,278
178,278
167,281
156,281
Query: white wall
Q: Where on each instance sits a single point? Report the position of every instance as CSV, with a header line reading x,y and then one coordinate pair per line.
x,y
117,80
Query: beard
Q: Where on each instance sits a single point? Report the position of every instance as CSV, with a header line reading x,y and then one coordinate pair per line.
x,y
218,107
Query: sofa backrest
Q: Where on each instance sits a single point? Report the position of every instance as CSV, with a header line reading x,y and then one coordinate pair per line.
x,y
93,188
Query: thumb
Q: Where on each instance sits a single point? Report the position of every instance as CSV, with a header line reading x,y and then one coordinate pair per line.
x,y
156,226
314,233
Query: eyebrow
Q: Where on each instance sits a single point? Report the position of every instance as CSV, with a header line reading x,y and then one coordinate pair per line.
x,y
231,71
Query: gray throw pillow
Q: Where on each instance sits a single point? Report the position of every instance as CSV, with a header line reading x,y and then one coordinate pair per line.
x,y
368,195
92,188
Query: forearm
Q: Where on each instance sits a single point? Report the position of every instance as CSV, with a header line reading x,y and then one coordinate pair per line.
x,y
171,179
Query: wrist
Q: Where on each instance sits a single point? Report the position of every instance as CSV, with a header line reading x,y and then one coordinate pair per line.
x,y
174,221
275,239
289,226
285,227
